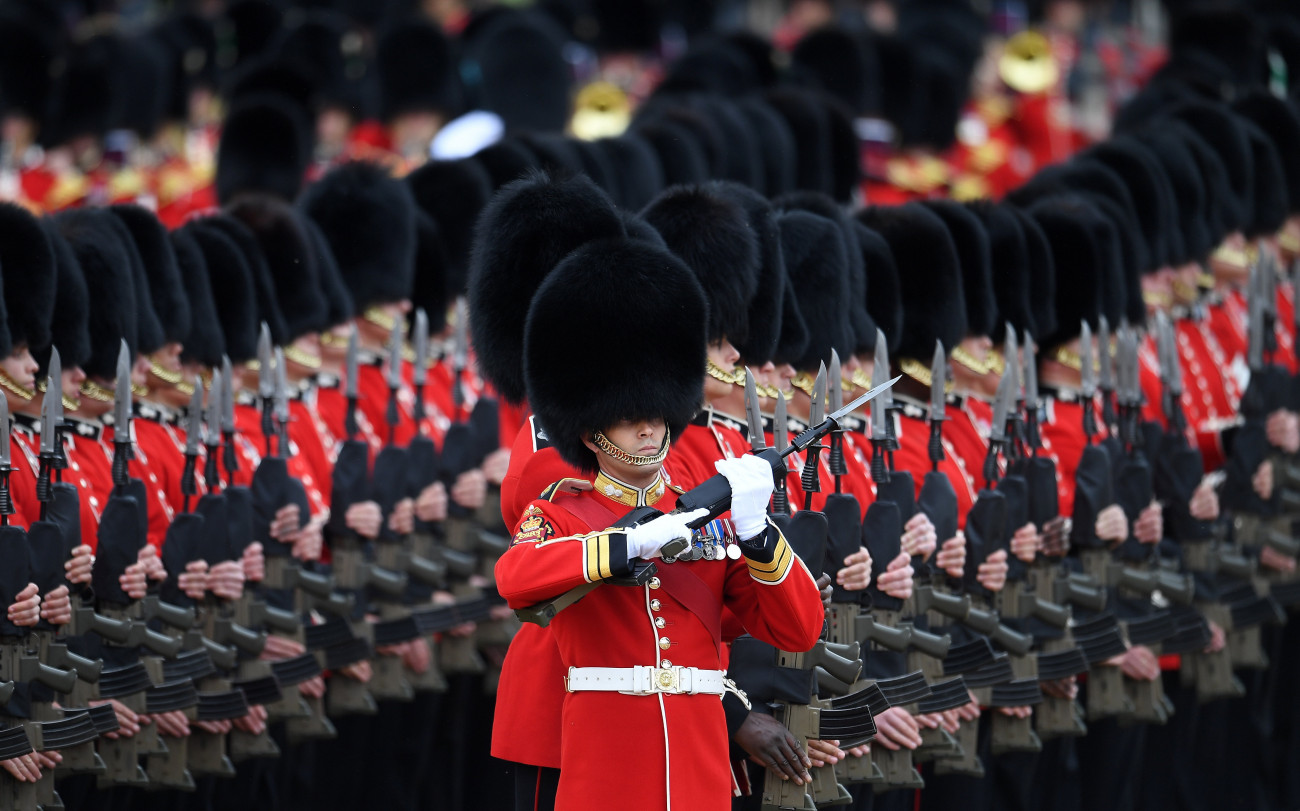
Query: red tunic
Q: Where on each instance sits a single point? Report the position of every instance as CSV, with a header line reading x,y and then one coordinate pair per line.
x,y
1063,438
554,551
913,455
966,433
24,458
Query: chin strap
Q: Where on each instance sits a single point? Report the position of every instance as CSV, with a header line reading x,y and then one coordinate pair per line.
x,y
615,452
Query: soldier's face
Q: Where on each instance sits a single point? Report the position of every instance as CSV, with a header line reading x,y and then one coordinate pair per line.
x,y
637,437
724,356
21,368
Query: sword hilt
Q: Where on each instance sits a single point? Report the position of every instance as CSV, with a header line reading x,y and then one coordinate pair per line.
x,y
418,408
837,465
43,490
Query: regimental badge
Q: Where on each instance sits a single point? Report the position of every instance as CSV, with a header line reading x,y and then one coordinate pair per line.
x,y
534,528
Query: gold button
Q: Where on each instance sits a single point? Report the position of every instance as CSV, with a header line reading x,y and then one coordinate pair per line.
x,y
655,605
659,622
665,663
654,583
665,643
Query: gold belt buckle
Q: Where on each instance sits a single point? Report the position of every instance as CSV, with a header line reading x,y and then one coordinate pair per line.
x,y
665,679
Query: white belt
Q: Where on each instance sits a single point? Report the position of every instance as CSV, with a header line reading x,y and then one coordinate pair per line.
x,y
646,680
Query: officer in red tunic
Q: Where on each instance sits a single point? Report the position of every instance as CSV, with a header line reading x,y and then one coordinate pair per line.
x,y
556,548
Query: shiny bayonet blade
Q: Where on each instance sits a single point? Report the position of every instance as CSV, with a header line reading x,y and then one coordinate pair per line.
x,y
1295,287
227,397
876,391
351,366
1105,380
817,408
212,411
1031,372
194,421
460,354
753,418
880,369
834,383
938,378
281,389
1011,368
122,392
395,354
52,410
265,374
1001,408
4,433
1175,381
421,371
1087,372
780,425
1131,381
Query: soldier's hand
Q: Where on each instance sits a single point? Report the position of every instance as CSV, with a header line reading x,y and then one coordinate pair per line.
x,y
970,710
1026,542
79,565
226,579
153,565
49,759
25,610
646,540
285,523
1218,639
194,580
952,555
23,768
1150,526
254,563
950,720
173,724
823,583
496,465
896,729
213,727
929,720
1262,481
402,519
1283,430
357,671
432,503
1112,524
770,744
364,518
56,608
1275,560
128,721
416,656
1056,536
1204,505
309,540
897,579
281,647
1062,688
824,753
1016,712
751,489
992,573
1139,663
313,687
856,574
254,723
470,489
919,536
134,582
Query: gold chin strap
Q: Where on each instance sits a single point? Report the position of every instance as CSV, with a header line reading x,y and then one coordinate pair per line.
x,y
860,379
615,452
96,392
916,370
186,389
21,391
716,372
996,362
1068,358
169,377
330,339
143,391
804,383
69,404
301,358
968,360
379,318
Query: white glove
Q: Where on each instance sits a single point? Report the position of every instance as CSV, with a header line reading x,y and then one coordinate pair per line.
x,y
751,488
646,541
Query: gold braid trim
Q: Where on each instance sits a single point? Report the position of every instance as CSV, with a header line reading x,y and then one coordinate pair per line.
x,y
804,383
1068,358
169,377
716,372
96,392
969,361
139,391
10,384
916,370
615,452
301,358
379,318
860,379
997,363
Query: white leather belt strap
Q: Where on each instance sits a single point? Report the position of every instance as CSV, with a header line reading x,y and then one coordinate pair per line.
x,y
646,680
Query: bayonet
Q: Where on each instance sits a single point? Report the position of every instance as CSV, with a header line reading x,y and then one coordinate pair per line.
x,y
880,417
460,356
6,501
1105,379
1255,305
1087,381
266,385
350,385
230,461
193,437
998,439
420,374
281,405
938,403
835,401
212,425
1032,403
123,450
811,480
50,418
393,377
780,441
753,418
1011,373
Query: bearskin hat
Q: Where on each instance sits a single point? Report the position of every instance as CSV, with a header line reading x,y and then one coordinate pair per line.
x,y
1167,145
551,151
452,193
429,288
323,43
166,292
636,165
1009,256
1078,263
596,165
711,66
766,306
368,218
287,82
1152,198
337,297
569,401
68,331
523,75
87,97
265,147
234,296
253,25
776,145
680,156
1230,37
416,68
265,307
1220,129
109,281
883,296
524,232
638,228
816,261
929,275
30,277
505,161
841,63
149,334
702,130
862,327
1281,124
1042,274
204,343
975,259
290,259
26,41
810,128
191,42
1269,206
711,234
